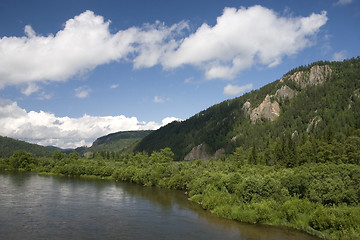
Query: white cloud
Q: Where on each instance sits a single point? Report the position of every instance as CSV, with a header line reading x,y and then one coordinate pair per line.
x,y
83,44
82,92
168,120
30,89
158,99
47,129
242,38
114,86
44,96
189,80
339,56
343,2
232,90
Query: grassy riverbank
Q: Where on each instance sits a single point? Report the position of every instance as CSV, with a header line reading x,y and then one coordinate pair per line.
x,y
318,198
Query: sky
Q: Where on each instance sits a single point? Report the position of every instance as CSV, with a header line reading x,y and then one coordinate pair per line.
x,y
73,71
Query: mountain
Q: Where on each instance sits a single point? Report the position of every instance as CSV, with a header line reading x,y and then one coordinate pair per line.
x,y
109,143
313,101
117,141
8,146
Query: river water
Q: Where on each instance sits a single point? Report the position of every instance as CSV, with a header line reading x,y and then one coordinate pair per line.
x,y
47,207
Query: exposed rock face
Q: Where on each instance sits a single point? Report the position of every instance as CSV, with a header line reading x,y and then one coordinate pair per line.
x,y
313,123
357,93
270,109
266,110
285,93
198,152
247,108
219,152
316,75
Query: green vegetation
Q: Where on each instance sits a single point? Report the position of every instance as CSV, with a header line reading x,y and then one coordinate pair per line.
x,y
334,103
8,146
109,145
301,170
115,142
318,196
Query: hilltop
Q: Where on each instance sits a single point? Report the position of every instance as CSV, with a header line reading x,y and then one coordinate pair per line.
x,y
9,145
116,142
309,101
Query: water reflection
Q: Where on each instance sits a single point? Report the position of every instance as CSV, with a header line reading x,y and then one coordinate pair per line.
x,y
39,207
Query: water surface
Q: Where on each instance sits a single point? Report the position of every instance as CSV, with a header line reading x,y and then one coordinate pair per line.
x,y
47,207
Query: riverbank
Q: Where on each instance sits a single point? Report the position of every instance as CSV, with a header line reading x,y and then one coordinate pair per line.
x,y
321,199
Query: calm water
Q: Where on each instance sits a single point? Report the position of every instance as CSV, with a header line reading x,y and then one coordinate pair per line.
x,y
45,207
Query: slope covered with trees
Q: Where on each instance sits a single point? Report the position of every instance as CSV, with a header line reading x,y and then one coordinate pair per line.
x,y
292,154
117,141
9,145
323,111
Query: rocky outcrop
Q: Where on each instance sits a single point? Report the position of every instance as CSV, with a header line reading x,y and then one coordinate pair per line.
x,y
219,152
247,108
200,152
316,75
270,109
266,110
285,93
357,93
313,123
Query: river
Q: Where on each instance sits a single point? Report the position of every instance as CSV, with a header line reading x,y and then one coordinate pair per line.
x,y
48,207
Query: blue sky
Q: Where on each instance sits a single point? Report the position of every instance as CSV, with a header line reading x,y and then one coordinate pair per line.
x,y
72,71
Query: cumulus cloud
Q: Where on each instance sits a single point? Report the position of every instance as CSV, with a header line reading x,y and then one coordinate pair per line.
x,y
47,129
85,43
240,38
168,120
232,90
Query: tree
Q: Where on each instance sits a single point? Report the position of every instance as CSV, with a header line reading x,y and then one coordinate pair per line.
x,y
74,155
352,148
22,159
239,156
57,155
253,155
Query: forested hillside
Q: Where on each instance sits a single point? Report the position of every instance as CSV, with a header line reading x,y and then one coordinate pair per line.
x,y
118,140
115,142
287,154
8,146
313,110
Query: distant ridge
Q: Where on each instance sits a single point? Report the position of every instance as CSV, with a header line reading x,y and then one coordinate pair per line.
x,y
9,145
117,141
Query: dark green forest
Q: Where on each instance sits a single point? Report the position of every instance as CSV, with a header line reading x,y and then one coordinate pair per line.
x,y
300,170
336,103
8,146
115,142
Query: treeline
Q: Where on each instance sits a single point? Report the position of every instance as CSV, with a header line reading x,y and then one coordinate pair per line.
x,y
8,146
321,198
333,105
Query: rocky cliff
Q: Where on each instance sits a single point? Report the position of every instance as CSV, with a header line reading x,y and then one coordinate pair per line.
x,y
266,110
269,109
316,75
